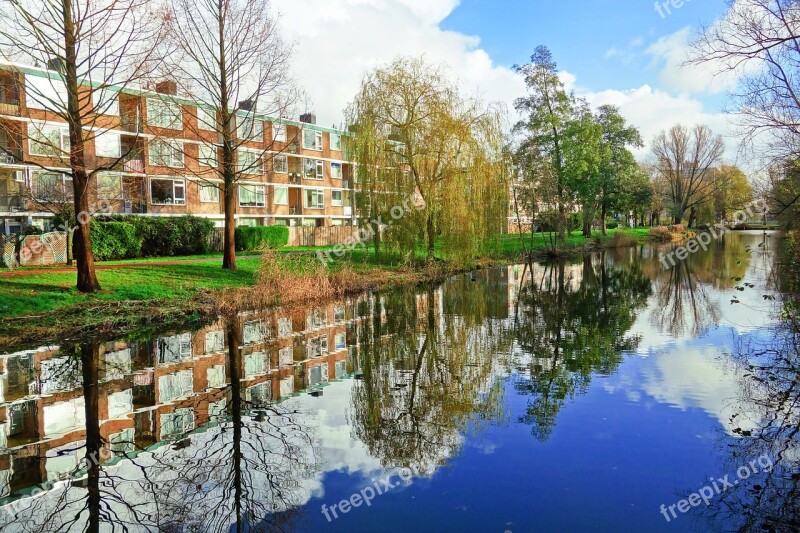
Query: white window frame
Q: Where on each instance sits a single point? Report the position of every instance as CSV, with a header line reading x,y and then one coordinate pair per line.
x,y
169,116
209,158
175,153
256,127
319,193
283,168
40,130
106,102
318,166
203,189
279,133
251,169
275,189
107,136
177,183
256,189
109,193
334,202
50,94
337,175
314,143
206,119
335,142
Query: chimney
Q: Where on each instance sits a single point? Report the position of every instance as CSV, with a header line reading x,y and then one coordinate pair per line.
x,y
248,105
308,118
169,87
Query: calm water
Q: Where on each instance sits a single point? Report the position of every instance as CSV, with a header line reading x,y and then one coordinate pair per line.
x,y
581,396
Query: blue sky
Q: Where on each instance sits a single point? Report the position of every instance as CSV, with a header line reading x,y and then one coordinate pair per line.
x,y
619,52
580,33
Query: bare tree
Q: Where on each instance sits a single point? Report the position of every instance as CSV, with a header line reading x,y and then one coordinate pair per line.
x,y
94,49
229,55
684,160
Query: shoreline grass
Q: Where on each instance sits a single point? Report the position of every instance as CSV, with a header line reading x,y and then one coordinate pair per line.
x,y
44,305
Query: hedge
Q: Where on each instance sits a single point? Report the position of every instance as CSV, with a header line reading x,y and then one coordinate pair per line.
x,y
613,224
260,237
115,240
163,236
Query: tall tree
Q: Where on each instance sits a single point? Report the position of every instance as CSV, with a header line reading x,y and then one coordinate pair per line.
x,y
618,166
547,110
226,53
94,49
416,134
684,160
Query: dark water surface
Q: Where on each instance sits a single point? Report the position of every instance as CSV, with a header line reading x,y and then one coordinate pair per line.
x,y
581,396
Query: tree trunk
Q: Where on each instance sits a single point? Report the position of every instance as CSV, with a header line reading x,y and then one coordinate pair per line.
x,y
87,279
68,252
603,214
90,356
692,217
431,237
229,240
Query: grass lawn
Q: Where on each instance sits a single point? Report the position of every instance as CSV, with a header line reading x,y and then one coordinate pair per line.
x,y
38,293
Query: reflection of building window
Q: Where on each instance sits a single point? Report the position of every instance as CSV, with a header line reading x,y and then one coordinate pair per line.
x,y
216,377
174,386
254,332
317,375
339,313
177,424
285,356
215,341
256,364
340,369
259,395
122,442
340,341
317,347
316,318
174,349
284,327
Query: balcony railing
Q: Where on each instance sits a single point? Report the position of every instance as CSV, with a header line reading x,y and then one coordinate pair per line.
x,y
12,203
10,156
134,166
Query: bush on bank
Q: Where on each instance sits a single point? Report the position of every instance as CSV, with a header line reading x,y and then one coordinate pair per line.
x,y
127,237
261,237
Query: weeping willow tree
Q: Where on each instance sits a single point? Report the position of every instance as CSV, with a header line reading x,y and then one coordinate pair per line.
x,y
417,141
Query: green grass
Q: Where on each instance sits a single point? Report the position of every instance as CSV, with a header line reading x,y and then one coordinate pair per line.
x,y
42,292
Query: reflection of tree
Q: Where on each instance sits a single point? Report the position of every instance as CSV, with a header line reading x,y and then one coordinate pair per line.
x,y
246,474
770,424
427,376
570,324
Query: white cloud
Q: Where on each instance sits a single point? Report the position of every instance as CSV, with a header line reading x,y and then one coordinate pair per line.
x,y
338,41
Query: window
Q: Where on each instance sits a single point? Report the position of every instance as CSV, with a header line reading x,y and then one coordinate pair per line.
x,y
250,128
215,341
167,191
250,162
340,341
315,199
207,155
313,169
251,196
317,347
216,377
206,119
106,102
44,93
285,356
280,164
107,144
109,186
336,198
280,196
284,327
164,114
339,313
48,139
254,332
209,194
336,170
255,364
336,142
52,187
165,153
312,140
279,132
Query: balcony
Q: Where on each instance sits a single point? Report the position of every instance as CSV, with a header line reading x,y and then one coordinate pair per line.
x,y
14,203
9,100
133,165
10,155
296,209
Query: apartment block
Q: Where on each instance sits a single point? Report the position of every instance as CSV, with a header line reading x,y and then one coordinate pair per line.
x,y
161,153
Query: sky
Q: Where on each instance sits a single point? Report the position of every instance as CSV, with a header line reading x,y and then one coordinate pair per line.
x,y
621,52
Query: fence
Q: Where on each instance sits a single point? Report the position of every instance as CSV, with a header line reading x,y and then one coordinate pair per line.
x,y
216,240
323,236
44,249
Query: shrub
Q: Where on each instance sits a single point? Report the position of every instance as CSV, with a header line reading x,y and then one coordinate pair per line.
x,y
679,228
260,237
612,224
661,234
170,236
115,240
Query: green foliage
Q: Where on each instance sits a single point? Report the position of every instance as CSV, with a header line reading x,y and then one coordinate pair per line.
x,y
260,237
115,240
170,236
612,224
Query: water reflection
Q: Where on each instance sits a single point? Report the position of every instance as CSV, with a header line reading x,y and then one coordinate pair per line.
x,y
249,422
